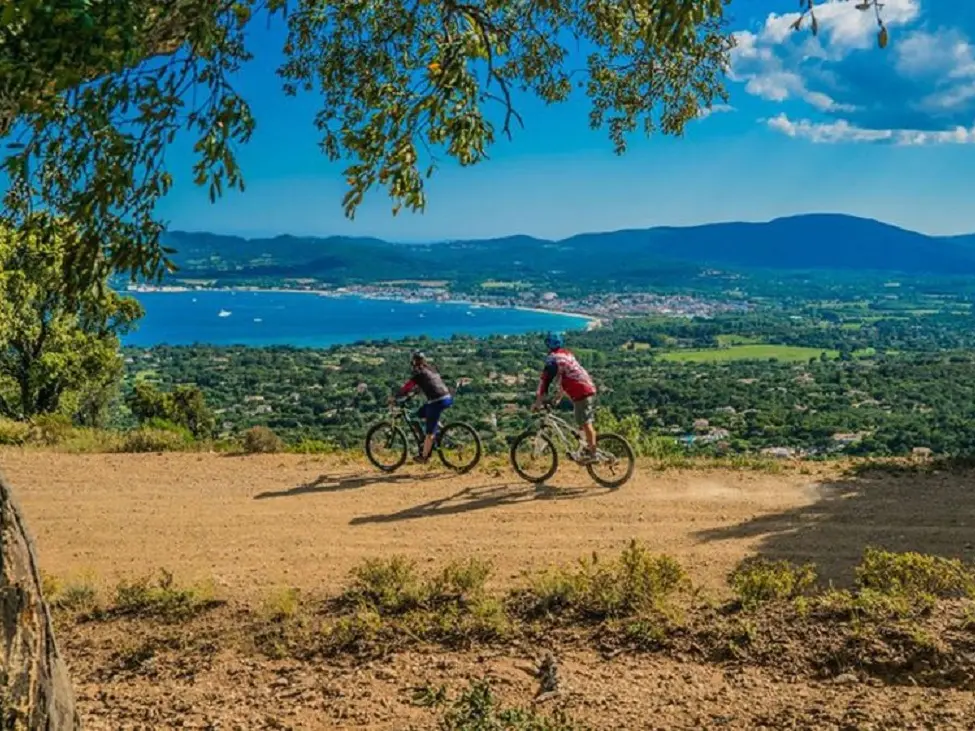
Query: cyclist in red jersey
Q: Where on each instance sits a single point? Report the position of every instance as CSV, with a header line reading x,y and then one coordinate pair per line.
x,y
573,380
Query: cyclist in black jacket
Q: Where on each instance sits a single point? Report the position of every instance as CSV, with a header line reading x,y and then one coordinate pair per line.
x,y
426,379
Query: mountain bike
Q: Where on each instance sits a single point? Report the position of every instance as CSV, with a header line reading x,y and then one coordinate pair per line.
x,y
457,444
535,453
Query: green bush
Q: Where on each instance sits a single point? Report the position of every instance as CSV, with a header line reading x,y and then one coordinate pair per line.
x,y
758,580
313,446
13,433
636,583
160,597
261,440
155,440
386,586
477,709
51,429
914,575
185,405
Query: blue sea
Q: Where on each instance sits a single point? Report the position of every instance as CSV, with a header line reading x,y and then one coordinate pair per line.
x,y
309,320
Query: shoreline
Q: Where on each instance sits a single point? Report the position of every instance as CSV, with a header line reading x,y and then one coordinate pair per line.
x,y
592,321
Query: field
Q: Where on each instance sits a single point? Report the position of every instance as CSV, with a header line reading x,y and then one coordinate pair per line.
x,y
748,352
254,529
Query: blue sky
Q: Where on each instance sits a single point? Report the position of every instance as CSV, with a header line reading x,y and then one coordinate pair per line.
x,y
829,123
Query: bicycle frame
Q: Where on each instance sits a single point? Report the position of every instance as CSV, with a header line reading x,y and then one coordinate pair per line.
x,y
402,412
559,431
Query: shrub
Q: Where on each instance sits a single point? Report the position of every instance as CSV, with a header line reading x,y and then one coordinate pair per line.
x,y
166,425
868,604
261,440
462,581
389,603
51,429
77,596
758,580
13,433
356,634
185,405
281,605
913,574
636,583
386,586
155,440
477,709
313,446
74,595
91,441
160,597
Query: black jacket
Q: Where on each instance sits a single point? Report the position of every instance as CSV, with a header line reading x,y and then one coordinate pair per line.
x,y
428,381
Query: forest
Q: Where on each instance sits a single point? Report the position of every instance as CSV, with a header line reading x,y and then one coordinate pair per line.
x,y
812,384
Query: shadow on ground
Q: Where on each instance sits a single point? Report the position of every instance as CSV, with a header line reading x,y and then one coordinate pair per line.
x,y
897,509
339,483
482,497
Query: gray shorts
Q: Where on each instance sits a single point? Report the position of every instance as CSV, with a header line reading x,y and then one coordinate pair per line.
x,y
584,410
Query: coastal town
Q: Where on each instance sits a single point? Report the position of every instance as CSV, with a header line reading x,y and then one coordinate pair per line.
x,y
599,307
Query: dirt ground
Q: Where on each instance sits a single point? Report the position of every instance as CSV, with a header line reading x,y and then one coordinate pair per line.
x,y
251,524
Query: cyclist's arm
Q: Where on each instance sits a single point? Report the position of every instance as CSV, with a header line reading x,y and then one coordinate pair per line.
x,y
549,373
409,387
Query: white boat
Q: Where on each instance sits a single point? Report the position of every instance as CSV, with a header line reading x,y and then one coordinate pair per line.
x,y
258,319
224,313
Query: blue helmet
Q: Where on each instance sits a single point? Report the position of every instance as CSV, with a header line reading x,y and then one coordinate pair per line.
x,y
554,341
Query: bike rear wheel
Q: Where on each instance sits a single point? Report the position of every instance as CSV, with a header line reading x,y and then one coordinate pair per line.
x,y
614,463
386,446
459,447
533,457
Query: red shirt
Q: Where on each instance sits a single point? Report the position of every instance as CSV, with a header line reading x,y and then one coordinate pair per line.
x,y
561,365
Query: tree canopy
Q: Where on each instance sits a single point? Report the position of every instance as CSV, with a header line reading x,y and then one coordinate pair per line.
x,y
93,92
58,353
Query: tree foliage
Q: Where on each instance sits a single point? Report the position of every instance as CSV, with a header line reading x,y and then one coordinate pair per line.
x,y
185,406
92,92
58,353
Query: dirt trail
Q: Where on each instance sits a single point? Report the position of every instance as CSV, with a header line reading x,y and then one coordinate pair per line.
x,y
255,522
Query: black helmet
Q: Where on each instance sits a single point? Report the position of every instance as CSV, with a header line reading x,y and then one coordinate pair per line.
x,y
418,356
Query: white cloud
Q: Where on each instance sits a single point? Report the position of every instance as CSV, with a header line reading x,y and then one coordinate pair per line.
x,y
920,90
949,99
704,113
843,131
778,86
944,53
841,28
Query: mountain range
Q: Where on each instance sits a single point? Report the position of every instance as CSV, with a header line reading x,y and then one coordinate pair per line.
x,y
804,242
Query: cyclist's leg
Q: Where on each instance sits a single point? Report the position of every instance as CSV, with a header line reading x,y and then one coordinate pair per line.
x,y
584,411
434,413
423,414
433,410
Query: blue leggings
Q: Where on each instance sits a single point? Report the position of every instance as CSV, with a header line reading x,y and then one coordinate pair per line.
x,y
431,411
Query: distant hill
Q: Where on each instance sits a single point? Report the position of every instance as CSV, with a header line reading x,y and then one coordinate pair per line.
x,y
806,242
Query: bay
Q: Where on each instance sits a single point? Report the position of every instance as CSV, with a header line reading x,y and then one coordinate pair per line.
x,y
303,319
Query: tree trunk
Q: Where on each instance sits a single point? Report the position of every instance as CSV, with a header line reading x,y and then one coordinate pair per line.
x,y
35,690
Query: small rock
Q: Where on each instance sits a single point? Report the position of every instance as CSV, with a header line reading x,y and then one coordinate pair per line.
x,y
846,679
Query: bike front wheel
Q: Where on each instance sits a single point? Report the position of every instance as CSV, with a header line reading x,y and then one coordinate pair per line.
x,y
386,446
459,447
533,457
614,463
